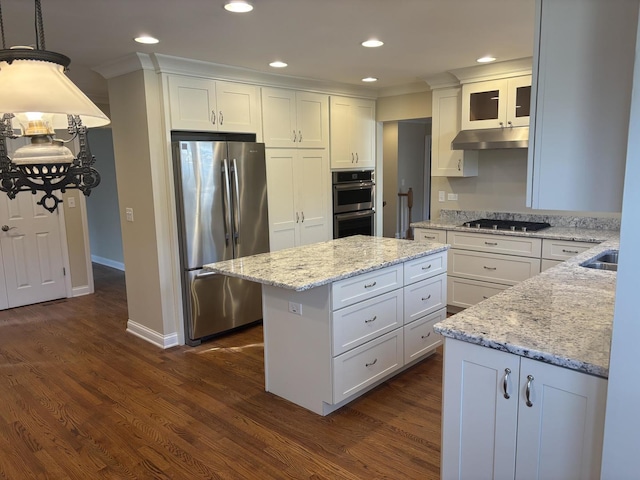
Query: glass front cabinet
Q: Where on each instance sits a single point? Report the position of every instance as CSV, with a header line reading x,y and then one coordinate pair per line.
x,y
496,103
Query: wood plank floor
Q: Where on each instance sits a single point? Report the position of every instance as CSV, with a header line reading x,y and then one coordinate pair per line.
x,y
82,399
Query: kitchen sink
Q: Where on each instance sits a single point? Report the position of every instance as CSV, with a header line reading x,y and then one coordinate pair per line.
x,y
604,261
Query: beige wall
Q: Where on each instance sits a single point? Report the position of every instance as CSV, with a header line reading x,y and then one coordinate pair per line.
x,y
404,107
74,226
390,174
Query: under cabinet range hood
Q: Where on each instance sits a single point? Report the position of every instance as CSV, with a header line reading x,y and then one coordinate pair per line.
x,y
491,138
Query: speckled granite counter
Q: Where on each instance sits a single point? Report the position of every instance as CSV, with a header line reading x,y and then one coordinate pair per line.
x,y
562,316
309,266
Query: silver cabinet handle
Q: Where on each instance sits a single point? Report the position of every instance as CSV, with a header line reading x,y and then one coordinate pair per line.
x,y
370,285
429,237
6,228
213,117
427,267
302,214
501,124
528,390
299,136
491,244
353,159
459,164
371,319
424,299
490,268
505,384
370,364
226,200
426,336
509,123
236,213
357,159
220,117
294,137
569,251
297,217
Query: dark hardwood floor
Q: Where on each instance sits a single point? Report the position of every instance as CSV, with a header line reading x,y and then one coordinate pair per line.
x,y
82,399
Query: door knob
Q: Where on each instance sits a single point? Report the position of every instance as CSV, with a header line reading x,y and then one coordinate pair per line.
x,y
6,228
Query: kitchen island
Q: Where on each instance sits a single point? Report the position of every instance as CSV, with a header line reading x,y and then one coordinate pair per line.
x,y
342,316
525,376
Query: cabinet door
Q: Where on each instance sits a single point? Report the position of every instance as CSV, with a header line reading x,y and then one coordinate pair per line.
x,y
445,126
238,107
478,422
518,101
313,187
312,120
279,118
484,105
560,434
192,104
363,133
342,154
281,192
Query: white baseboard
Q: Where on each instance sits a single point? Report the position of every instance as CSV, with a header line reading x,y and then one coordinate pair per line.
x,y
107,262
79,291
151,336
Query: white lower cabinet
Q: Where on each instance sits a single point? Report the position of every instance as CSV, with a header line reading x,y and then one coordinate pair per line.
x,y
506,416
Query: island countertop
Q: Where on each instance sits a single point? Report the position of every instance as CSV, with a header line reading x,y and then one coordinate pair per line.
x,y
310,266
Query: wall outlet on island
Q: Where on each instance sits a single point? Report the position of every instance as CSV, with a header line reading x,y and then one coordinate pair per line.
x,y
295,308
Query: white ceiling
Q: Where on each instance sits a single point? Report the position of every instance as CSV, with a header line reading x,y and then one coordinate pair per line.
x,y
319,39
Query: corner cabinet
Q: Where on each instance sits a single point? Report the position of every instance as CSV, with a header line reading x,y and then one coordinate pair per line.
x,y
295,119
579,123
506,416
353,132
298,186
444,127
213,106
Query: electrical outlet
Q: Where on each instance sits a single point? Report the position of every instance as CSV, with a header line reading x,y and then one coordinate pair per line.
x,y
295,308
71,201
452,196
441,196
129,214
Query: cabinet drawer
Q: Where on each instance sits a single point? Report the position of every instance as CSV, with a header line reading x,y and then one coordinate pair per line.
x,y
490,267
426,267
547,264
562,250
361,287
429,235
424,297
522,246
419,337
359,323
462,292
366,364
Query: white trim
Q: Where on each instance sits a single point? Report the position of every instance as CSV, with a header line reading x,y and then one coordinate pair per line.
x,y
494,71
80,291
66,264
416,87
123,65
151,336
85,235
107,262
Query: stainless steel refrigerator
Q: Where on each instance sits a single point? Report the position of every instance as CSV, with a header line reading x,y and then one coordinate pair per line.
x,y
221,192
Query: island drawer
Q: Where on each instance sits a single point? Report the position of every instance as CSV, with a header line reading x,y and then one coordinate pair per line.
x,y
425,267
462,292
419,337
425,297
359,323
563,250
490,267
487,242
362,287
366,364
429,235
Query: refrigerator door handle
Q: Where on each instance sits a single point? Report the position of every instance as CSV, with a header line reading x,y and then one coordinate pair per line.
x,y
226,201
236,210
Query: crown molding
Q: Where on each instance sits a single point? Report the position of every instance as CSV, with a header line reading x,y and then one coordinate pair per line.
x,y
494,71
442,80
123,65
417,87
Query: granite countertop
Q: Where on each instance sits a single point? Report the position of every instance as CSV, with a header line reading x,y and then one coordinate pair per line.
x,y
562,316
309,266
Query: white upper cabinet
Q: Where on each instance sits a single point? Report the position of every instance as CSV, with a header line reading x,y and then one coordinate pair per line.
x,y
496,103
444,127
583,66
208,105
353,131
295,119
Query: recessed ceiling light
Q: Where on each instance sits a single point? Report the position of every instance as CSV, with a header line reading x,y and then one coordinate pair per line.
x,y
370,79
238,6
486,59
277,64
146,39
372,43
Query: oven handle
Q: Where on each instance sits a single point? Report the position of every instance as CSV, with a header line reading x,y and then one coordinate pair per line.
x,y
353,186
347,216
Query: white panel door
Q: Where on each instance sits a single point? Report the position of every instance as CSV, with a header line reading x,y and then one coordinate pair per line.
x,y
31,251
312,175
192,103
281,190
364,131
238,107
279,118
312,117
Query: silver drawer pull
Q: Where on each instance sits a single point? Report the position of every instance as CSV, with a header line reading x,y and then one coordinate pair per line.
x,y
426,336
507,371
491,244
427,267
371,319
569,251
370,285
426,298
490,268
427,236
370,364
528,391
484,297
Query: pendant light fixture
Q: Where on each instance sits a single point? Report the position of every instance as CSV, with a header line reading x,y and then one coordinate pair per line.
x,y
36,98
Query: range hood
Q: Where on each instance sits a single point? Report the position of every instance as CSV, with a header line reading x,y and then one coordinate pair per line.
x,y
491,138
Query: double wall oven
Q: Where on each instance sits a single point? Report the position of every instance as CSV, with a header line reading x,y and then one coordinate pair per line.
x,y
353,203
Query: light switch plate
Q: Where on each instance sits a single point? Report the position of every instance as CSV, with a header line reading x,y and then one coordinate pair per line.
x,y
129,214
452,196
441,196
71,201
